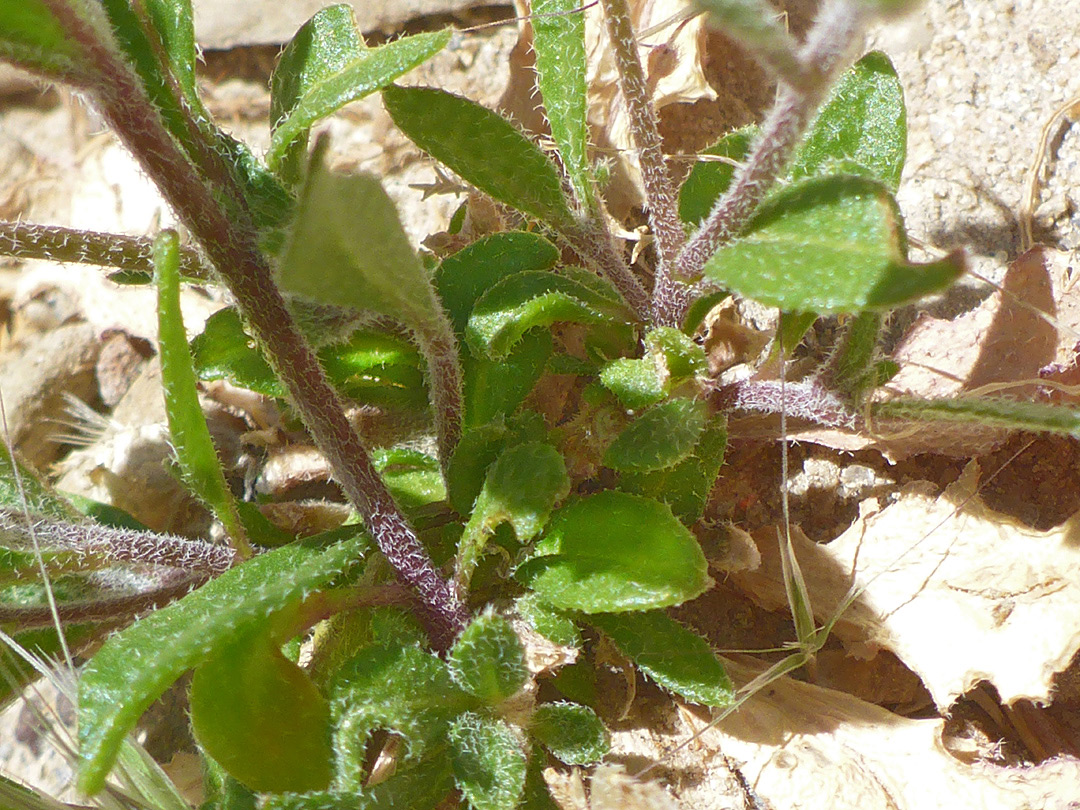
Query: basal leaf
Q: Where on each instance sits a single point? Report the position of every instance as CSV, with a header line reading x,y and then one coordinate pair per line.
x,y
135,666
481,146
520,488
261,718
479,447
863,123
636,383
188,432
559,42
676,658
466,275
326,66
534,299
21,490
33,38
711,178
572,732
685,487
828,244
413,478
495,388
397,687
615,552
659,438
681,358
489,766
1035,416
551,623
348,248
487,660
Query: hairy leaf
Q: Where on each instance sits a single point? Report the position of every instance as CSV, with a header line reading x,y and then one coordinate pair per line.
x,y
481,146
325,66
1007,413
636,383
489,767
487,660
711,178
529,300
551,623
659,438
572,732
864,123
828,244
676,658
495,388
135,666
33,38
559,42
614,552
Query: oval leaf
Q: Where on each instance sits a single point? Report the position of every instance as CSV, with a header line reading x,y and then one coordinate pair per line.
x,y
676,658
572,732
828,244
864,123
262,719
481,146
489,767
487,660
528,300
711,178
613,552
135,666
659,438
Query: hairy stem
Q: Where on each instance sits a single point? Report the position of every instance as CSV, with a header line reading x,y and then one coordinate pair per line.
x,y
110,544
230,242
24,240
440,350
810,400
592,241
669,299
828,41
107,609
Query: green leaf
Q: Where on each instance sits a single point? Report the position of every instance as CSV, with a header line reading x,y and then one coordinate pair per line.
x,y
520,488
863,123
325,66
572,732
396,687
828,244
679,660
221,791
1034,416
529,300
613,552
793,326
20,490
135,666
487,660
172,22
489,767
636,383
372,367
681,357
188,433
466,275
413,478
559,42
549,622
495,388
685,487
478,448
711,178
261,718
347,248
659,438
537,796
483,147
32,37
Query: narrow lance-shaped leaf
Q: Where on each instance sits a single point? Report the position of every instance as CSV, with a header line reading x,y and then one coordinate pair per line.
x,y
1036,416
659,438
483,147
521,488
676,658
829,244
711,178
172,21
135,666
614,552
195,452
325,66
559,41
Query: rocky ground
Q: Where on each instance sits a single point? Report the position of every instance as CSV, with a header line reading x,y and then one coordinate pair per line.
x,y
952,682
